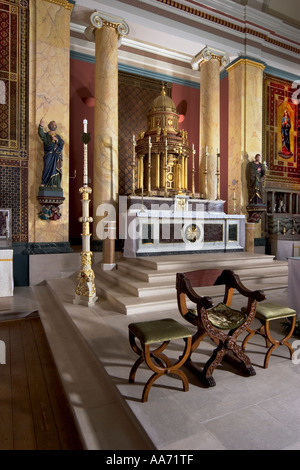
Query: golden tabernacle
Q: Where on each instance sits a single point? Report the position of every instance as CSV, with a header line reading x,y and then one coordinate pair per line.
x,y
160,155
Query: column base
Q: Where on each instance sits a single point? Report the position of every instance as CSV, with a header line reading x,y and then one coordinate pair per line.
x,y
249,242
87,301
108,266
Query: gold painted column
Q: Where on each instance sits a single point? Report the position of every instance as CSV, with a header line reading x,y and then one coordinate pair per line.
x,y
209,60
49,98
245,118
106,31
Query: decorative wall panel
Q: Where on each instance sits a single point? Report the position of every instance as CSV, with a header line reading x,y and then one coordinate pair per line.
x,y
282,133
13,109
136,95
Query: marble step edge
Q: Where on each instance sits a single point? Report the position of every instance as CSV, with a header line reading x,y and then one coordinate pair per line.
x,y
57,325
150,275
143,288
205,260
128,304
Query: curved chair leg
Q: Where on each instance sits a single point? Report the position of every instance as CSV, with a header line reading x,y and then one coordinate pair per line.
x,y
213,362
250,335
275,343
170,368
134,368
239,353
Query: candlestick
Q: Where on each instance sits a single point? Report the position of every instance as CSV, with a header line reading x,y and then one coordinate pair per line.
x,y
193,171
205,174
218,176
149,167
85,292
166,168
133,164
85,158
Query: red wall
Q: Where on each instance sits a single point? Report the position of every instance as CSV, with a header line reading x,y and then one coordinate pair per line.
x,y
81,88
224,140
187,101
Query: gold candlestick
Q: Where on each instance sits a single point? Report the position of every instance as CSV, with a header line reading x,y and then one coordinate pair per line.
x,y
205,173
149,167
193,170
166,168
234,201
85,292
218,176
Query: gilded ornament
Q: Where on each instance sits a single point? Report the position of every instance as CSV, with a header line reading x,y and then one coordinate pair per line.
x,y
62,3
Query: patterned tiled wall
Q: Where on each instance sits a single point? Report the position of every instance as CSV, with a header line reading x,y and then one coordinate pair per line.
x,y
13,113
136,95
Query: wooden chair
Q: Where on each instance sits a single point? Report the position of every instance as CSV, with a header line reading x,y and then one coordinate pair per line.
x,y
154,336
265,313
221,323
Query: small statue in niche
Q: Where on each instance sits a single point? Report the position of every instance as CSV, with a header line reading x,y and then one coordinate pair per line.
x,y
53,146
281,205
255,179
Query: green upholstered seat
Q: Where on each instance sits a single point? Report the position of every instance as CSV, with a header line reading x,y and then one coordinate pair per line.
x,y
270,311
159,330
224,317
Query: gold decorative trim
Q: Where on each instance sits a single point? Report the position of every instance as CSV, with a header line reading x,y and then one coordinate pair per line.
x,y
101,20
62,3
246,62
228,24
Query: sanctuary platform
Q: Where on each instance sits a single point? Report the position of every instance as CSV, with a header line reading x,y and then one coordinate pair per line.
x,y
93,357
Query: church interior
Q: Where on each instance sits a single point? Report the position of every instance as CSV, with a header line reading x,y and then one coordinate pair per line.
x,y
149,162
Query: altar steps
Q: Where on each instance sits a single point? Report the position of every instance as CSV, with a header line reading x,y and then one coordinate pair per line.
x,y
148,284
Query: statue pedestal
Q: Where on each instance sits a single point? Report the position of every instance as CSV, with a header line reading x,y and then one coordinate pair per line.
x,y
50,201
256,212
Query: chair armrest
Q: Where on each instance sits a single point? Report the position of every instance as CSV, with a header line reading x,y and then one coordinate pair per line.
x,y
184,286
232,280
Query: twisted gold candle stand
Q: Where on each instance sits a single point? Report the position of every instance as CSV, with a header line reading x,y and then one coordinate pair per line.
x,y
85,292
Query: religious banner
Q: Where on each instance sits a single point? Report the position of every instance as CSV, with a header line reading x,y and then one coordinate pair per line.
x,y
281,131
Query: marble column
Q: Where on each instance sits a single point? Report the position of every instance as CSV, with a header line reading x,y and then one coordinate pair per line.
x,y
245,118
249,237
209,61
106,31
49,97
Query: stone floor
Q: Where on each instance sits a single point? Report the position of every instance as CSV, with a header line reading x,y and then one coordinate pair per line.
x,y
260,412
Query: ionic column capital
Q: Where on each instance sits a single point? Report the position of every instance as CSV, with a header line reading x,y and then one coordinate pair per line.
x,y
207,54
101,20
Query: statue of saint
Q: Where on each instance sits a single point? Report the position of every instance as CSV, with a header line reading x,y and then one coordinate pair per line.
x,y
255,179
53,146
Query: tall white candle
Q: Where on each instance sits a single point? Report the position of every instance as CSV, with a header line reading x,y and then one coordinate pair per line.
x,y
85,125
85,162
193,151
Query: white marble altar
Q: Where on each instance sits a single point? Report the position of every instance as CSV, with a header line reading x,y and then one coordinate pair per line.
x,y
162,230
